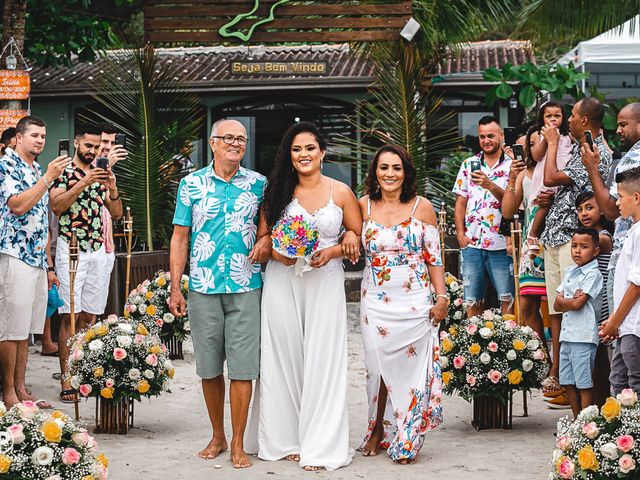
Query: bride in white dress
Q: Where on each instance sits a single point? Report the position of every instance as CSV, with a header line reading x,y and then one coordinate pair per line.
x,y
303,371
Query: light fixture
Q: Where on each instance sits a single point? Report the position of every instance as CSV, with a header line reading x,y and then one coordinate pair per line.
x,y
410,29
12,61
513,103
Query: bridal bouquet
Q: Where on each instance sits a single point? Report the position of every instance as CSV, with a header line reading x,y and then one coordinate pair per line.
x,y
150,300
119,358
294,237
490,355
36,444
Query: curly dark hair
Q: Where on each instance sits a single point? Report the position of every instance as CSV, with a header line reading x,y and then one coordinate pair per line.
x,y
564,125
372,187
529,161
283,178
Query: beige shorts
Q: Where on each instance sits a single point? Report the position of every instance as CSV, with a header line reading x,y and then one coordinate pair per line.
x,y
23,299
556,260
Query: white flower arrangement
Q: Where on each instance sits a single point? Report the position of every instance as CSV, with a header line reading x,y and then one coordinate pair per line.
x,y
46,445
105,358
456,311
150,301
601,443
490,355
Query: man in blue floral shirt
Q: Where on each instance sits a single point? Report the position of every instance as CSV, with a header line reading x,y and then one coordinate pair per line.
x,y
220,205
24,202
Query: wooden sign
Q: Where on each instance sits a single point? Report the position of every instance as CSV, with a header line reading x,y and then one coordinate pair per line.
x,y
10,118
14,84
274,21
278,68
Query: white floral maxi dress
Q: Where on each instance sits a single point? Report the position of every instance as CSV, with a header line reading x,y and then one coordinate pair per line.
x,y
401,345
303,360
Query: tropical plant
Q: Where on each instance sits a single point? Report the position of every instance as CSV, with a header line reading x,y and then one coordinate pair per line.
x,y
611,110
145,100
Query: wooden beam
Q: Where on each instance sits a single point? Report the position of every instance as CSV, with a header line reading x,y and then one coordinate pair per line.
x,y
285,10
277,37
279,23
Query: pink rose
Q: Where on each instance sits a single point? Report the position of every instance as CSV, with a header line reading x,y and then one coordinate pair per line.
x,y
132,308
627,463
80,438
28,409
471,380
459,361
566,468
119,353
564,443
628,397
471,329
70,456
487,315
138,339
109,382
625,443
510,324
494,376
164,348
112,319
16,432
538,354
493,346
85,389
152,359
77,355
159,322
457,302
591,430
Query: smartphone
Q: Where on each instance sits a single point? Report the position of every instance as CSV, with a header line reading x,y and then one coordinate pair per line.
x,y
102,162
588,136
475,165
121,139
518,152
510,135
63,147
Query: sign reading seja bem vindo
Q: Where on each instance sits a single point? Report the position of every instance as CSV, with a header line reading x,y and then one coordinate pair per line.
x,y
243,68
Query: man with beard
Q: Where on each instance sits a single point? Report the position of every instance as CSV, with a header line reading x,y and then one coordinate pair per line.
x,y
479,187
24,202
77,198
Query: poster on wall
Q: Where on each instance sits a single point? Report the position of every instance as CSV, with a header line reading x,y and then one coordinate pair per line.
x,y
14,84
9,118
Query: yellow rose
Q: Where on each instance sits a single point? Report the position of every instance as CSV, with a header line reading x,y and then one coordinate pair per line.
x,y
446,377
143,386
51,431
126,314
508,316
102,330
171,372
102,458
107,392
98,372
489,325
611,409
89,335
142,330
60,415
518,344
453,330
587,458
5,463
151,310
474,349
514,377
149,295
161,281
156,349
447,345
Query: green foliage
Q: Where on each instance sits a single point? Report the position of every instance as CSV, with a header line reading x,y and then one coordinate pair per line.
x,y
529,82
146,102
611,110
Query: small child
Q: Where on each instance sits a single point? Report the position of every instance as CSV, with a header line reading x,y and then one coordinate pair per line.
x,y
624,322
579,299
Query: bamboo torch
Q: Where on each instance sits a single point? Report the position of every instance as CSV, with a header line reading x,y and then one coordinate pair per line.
x,y
128,235
516,238
74,255
442,223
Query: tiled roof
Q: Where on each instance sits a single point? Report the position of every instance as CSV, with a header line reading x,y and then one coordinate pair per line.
x,y
476,57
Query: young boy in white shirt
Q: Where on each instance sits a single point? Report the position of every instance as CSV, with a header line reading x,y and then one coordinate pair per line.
x,y
624,322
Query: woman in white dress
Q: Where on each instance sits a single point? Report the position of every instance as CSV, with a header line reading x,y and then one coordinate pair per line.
x,y
398,317
303,363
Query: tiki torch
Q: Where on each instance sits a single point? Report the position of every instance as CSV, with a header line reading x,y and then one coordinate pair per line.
x,y
128,236
74,256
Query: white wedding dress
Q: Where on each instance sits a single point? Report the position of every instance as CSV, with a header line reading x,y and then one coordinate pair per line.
x,y
303,366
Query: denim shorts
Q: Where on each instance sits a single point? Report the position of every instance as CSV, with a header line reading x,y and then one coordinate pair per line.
x,y
481,266
576,364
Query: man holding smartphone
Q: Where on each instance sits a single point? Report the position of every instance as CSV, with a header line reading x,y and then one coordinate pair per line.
x,y
479,187
77,198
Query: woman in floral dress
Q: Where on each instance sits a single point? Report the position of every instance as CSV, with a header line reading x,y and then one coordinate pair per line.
x,y
398,318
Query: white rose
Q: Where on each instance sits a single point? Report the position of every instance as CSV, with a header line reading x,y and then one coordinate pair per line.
x,y
125,327
527,365
444,362
167,365
54,477
142,308
3,409
609,450
485,358
166,385
457,315
187,327
589,413
485,332
511,355
124,341
42,456
96,345
557,453
533,344
75,382
148,374
185,278
527,330
134,374
627,397
168,318
454,286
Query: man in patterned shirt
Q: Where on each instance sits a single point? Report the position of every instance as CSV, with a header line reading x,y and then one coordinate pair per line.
x,y
77,198
220,204
24,203
562,219
479,187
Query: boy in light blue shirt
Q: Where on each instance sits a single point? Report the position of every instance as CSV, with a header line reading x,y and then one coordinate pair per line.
x,y
580,300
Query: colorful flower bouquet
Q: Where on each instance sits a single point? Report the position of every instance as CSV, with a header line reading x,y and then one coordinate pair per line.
x,y
294,237
150,301
491,355
601,443
35,444
456,303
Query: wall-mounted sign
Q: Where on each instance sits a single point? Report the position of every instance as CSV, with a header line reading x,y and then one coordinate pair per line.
x,y
244,68
14,84
10,118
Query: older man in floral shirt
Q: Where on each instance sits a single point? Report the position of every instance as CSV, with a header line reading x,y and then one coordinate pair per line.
x,y
479,187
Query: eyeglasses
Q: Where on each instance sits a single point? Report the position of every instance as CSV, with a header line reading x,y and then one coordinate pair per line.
x,y
229,139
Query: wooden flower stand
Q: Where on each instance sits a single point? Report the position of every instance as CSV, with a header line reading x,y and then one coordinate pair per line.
x,y
491,413
114,417
175,349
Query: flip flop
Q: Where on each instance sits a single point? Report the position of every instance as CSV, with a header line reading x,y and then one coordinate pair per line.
x,y
50,354
67,393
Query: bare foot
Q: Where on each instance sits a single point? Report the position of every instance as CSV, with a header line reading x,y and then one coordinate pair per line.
x,y
311,468
240,459
10,400
372,446
215,448
294,457
406,461
25,395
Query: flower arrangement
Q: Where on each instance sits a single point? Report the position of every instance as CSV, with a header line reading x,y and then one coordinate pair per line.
x,y
119,358
46,445
150,301
491,355
600,443
455,292
294,237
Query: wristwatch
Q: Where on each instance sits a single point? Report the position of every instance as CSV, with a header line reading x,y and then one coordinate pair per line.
x,y
51,269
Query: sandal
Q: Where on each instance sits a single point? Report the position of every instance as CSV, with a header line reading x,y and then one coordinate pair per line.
x,y
65,394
